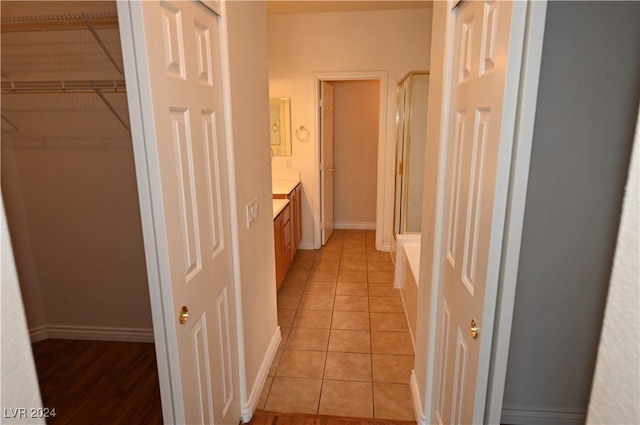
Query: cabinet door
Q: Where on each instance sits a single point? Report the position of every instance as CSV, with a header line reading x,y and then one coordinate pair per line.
x,y
295,201
298,222
279,249
287,251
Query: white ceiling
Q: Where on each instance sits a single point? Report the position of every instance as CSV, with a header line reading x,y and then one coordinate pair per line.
x,y
312,6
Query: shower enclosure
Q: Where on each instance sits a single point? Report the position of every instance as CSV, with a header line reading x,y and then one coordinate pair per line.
x,y
411,117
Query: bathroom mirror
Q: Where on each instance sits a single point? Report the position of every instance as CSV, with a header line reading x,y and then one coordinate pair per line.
x,y
280,117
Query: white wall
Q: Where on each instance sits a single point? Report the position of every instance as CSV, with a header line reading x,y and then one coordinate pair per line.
x,y
247,31
425,333
394,41
355,152
19,386
615,395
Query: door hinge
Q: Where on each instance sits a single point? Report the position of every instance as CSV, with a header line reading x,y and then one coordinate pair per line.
x,y
320,103
400,168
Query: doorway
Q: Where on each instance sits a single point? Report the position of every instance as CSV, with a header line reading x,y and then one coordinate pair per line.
x,y
359,147
68,179
355,153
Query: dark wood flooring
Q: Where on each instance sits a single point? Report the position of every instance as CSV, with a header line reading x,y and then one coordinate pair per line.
x,y
261,417
97,382
106,383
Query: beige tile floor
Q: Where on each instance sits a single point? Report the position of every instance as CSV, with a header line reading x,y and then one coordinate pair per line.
x,y
346,348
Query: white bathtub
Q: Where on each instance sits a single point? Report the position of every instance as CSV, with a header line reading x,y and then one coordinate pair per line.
x,y
407,277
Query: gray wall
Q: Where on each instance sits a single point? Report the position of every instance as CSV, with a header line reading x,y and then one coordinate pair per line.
x,y
586,114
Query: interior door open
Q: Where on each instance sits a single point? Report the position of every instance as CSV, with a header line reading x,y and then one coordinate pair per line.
x,y
327,167
485,78
172,63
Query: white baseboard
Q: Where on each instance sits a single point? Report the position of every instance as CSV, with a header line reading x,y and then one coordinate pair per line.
x,y
520,416
39,333
421,419
91,333
250,406
354,225
306,245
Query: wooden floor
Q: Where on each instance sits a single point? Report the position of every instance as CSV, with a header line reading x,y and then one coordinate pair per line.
x,y
261,417
96,382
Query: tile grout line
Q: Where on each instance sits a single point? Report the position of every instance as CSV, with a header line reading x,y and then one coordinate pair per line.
x,y
307,281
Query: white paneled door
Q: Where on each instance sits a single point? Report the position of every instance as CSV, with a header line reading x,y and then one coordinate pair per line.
x,y
479,161
171,51
327,167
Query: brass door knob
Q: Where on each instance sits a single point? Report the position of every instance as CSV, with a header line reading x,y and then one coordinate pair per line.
x,y
333,170
474,329
184,315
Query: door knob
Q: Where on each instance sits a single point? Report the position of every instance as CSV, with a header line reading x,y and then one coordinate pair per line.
x,y
474,329
333,170
184,315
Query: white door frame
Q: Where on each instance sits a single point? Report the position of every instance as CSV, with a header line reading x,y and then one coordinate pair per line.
x,y
161,307
383,148
521,156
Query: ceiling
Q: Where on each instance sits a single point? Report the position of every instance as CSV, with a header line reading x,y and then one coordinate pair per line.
x,y
312,6
25,8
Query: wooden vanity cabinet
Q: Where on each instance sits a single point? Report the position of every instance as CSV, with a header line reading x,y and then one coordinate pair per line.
x,y
278,227
287,227
295,202
282,235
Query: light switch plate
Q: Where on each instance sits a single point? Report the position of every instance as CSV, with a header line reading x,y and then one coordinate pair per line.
x,y
252,212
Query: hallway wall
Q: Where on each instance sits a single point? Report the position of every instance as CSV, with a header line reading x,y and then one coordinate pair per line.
x,y
395,41
247,28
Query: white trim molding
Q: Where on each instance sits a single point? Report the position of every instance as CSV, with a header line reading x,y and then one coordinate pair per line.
x,y
250,406
306,246
384,162
39,333
354,225
91,333
543,417
418,411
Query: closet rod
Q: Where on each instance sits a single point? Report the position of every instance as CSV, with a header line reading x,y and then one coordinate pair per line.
x,y
64,86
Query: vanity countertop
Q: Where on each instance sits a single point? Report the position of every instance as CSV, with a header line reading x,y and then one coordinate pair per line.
x,y
278,206
282,186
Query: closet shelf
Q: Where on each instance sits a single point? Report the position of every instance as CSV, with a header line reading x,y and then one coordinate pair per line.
x,y
63,86
91,22
66,22
82,21
67,87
